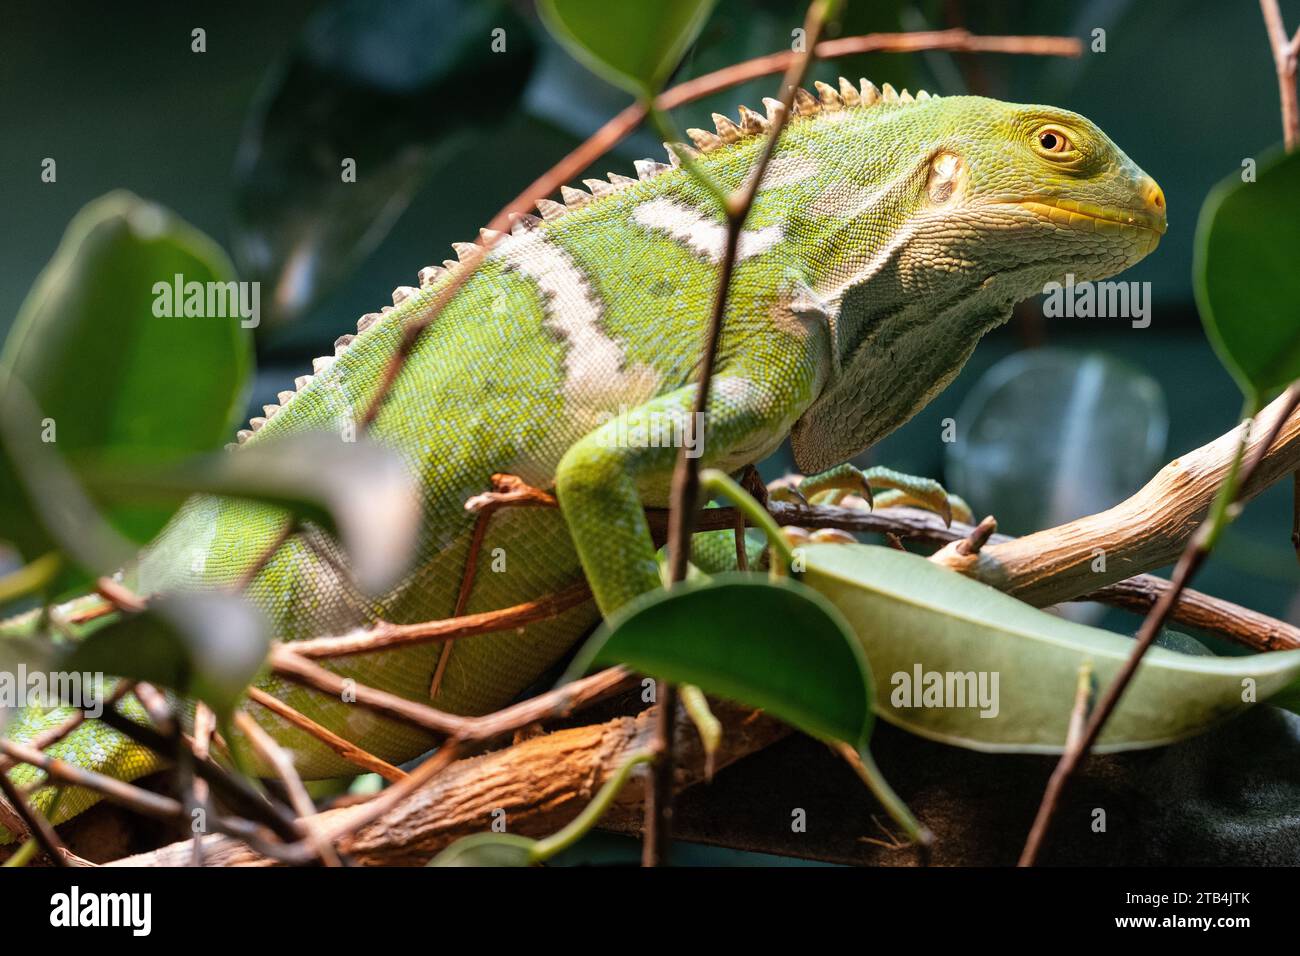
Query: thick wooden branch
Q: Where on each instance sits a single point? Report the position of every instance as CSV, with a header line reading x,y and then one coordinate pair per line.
x,y
1232,621
1144,532
541,784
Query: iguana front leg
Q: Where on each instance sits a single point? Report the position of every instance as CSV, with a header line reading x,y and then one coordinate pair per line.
x,y
603,482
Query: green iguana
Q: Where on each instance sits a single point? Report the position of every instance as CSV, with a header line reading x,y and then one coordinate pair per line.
x,y
891,232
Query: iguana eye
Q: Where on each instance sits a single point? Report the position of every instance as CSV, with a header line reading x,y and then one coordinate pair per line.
x,y
1052,140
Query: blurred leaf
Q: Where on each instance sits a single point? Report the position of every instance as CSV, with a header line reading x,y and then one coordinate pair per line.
x,y
1050,435
360,490
393,87
487,849
29,579
771,644
1247,283
633,45
203,646
43,507
110,380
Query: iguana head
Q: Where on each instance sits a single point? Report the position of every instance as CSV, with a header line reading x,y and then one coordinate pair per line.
x,y
1047,191
935,215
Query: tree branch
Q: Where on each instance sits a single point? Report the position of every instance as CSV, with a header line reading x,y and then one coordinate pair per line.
x,y
1146,531
1285,53
541,784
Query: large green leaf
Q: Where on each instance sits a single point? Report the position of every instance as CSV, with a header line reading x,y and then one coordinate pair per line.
x,y
913,616
774,645
203,646
633,45
1245,275
108,379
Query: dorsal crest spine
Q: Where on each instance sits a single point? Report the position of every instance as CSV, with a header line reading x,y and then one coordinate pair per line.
x,y
726,132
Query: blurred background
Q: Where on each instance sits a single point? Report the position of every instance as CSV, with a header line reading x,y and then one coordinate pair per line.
x,y
244,139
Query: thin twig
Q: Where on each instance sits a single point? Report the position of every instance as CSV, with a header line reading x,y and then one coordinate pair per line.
x,y
118,595
1192,557
155,705
205,722
344,748
1295,513
973,542
389,798
279,759
241,798
125,794
385,636
285,663
686,475
1079,712
1285,54
742,554
37,826
507,491
1235,623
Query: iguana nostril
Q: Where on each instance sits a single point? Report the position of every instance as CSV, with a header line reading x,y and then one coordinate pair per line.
x,y
1155,197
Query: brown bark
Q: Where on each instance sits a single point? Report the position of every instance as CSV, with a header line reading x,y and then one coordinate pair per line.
x,y
541,784
1148,530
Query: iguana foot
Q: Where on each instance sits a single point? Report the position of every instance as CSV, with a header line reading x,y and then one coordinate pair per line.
x,y
883,488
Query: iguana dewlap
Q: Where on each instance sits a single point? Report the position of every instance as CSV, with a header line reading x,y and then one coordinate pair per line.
x,y
890,233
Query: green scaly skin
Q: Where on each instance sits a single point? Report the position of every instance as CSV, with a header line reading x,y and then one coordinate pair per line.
x,y
889,236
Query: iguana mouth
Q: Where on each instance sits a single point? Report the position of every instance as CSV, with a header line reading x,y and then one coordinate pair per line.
x,y
1093,218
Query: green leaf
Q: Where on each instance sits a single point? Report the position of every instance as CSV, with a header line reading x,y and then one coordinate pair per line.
x,y
43,506
1245,276
394,87
633,45
770,644
110,380
360,490
487,849
910,613
207,647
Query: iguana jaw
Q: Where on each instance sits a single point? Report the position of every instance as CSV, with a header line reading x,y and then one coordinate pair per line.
x,y
1089,216
1132,233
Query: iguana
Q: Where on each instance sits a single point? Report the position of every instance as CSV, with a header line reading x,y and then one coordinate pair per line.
x,y
891,232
